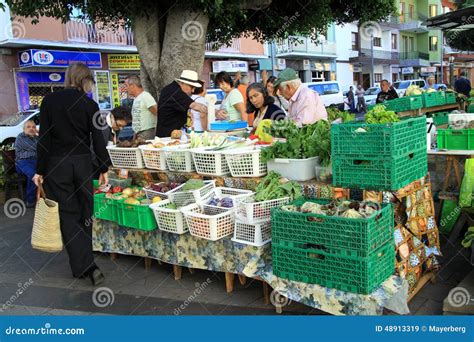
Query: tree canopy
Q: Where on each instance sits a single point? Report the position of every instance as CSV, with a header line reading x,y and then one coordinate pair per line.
x,y
263,19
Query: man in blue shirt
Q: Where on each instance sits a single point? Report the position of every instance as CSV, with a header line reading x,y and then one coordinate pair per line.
x,y
25,158
462,84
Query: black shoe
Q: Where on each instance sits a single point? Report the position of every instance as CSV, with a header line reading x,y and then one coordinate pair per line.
x,y
96,277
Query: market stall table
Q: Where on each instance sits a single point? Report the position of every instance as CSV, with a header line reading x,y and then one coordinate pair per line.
x,y
424,110
255,262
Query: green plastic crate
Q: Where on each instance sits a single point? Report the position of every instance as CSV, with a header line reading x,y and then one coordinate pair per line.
x,y
459,139
379,173
351,274
105,208
393,139
404,103
334,234
470,108
433,99
135,216
441,118
450,97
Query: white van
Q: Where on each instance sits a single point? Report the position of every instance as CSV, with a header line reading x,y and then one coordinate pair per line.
x,y
330,92
402,86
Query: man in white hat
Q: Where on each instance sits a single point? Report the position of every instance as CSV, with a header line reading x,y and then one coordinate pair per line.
x,y
175,101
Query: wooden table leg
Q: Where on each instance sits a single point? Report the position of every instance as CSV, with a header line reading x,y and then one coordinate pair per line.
x,y
229,282
191,270
147,263
456,172
177,270
266,293
447,172
113,256
242,279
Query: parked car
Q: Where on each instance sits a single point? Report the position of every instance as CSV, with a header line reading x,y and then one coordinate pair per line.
x,y
370,95
330,92
402,86
12,125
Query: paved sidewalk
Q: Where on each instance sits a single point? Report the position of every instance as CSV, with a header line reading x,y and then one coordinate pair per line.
x,y
38,283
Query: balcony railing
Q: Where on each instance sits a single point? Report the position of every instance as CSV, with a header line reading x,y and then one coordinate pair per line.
x,y
78,31
414,55
305,45
234,46
379,54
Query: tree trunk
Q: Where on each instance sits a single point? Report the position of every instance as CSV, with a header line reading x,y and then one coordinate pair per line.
x,y
165,55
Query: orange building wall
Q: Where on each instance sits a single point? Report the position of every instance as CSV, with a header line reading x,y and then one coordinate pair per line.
x,y
250,46
46,29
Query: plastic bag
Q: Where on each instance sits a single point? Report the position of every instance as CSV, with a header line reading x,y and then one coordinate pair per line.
x,y
467,186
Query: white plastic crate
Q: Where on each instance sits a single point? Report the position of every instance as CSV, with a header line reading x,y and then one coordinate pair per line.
x,y
150,194
294,169
182,198
210,163
246,162
154,158
169,220
179,158
125,157
221,192
251,212
209,223
253,234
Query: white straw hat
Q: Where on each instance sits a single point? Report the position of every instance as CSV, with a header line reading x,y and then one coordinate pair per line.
x,y
189,77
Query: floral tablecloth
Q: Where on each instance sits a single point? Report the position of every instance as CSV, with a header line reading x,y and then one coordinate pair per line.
x,y
227,256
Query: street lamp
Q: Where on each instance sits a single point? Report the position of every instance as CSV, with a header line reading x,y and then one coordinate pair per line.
x,y
451,71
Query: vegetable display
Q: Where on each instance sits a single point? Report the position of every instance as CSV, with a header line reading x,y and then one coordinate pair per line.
x,y
163,186
347,209
306,142
134,143
379,115
206,140
334,114
193,184
273,186
225,202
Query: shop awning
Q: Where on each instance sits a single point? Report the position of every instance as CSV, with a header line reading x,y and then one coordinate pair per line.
x,y
462,19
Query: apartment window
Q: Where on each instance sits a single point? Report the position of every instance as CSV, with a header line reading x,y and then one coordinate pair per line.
x,y
411,45
394,42
402,11
433,10
433,43
411,11
355,40
377,77
377,41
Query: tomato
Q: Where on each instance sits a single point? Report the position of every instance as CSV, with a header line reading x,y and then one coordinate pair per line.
x,y
253,137
116,189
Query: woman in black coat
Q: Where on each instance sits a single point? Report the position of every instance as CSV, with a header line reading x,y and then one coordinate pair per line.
x,y
68,123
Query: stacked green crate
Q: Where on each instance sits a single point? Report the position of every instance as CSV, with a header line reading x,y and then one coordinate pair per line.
x,y
379,156
404,103
433,99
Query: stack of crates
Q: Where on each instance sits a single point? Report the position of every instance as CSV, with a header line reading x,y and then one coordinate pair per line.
x,y
404,103
379,156
349,254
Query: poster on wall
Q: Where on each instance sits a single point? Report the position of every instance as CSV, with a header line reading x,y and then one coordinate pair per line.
x,y
124,61
114,79
103,89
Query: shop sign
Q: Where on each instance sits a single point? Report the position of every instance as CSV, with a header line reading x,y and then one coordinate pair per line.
x,y
56,58
102,87
407,70
319,66
427,70
124,61
230,66
114,79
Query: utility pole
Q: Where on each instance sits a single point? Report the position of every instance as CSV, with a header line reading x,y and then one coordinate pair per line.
x,y
441,76
371,60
